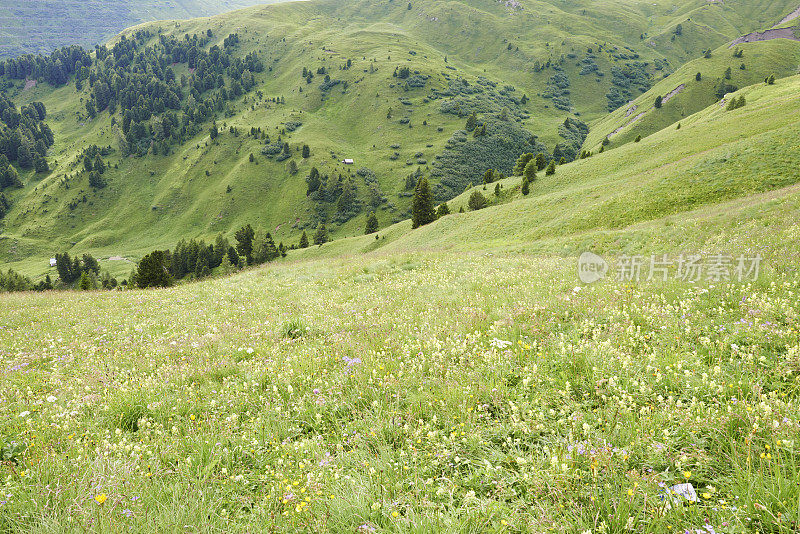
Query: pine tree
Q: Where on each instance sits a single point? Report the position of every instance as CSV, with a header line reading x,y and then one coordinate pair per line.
x,y
497,190
372,224
488,176
698,76
660,100
85,283
526,188
522,161
638,138
422,205
321,235
541,161
442,210
551,167
472,122
530,171
306,152
153,270
303,240
226,266
244,242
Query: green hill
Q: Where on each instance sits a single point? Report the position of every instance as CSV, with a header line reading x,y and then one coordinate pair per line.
x,y
522,68
684,94
454,378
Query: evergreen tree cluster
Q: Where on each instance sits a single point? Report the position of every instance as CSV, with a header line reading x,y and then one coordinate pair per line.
x,y
195,259
157,108
70,270
24,138
54,69
340,192
465,158
13,281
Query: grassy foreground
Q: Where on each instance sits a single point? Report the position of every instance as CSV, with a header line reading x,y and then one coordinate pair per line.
x,y
414,393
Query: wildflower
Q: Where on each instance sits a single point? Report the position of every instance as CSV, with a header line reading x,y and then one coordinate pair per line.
x,y
101,498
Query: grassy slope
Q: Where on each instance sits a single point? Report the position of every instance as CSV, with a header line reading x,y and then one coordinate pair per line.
x,y
682,188
778,57
474,36
399,408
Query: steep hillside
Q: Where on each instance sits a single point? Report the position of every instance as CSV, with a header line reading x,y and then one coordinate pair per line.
x,y
41,26
391,85
683,94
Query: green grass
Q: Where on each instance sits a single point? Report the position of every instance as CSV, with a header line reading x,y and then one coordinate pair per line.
x,y
156,201
454,378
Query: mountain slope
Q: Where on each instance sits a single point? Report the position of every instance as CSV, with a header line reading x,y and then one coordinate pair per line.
x,y
684,95
41,26
709,184
462,56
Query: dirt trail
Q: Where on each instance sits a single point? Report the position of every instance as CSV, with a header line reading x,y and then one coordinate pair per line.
x,y
672,93
633,120
633,108
790,17
779,33
773,33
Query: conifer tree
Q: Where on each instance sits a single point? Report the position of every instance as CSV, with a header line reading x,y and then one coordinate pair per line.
x,y
372,224
522,161
422,205
530,171
244,242
551,168
526,188
321,235
472,122
85,283
541,161
303,240
153,270
442,210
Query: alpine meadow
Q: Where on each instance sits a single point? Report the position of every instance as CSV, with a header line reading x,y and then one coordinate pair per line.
x,y
464,266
